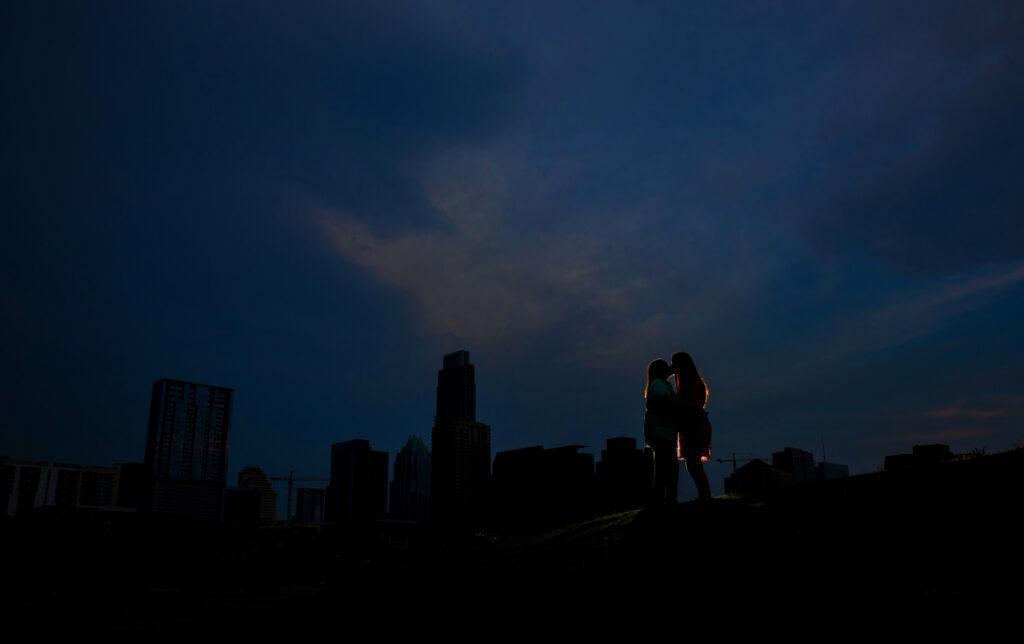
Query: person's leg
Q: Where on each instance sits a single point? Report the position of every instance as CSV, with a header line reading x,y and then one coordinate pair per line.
x,y
700,478
672,480
651,484
663,458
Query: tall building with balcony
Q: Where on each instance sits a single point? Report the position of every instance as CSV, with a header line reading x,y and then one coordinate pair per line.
x,y
187,448
460,450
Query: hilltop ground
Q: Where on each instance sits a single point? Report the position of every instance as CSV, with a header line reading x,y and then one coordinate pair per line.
x,y
939,539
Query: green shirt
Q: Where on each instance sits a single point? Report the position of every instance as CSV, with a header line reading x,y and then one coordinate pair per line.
x,y
659,424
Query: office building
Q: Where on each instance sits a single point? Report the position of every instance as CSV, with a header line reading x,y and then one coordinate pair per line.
x,y
253,478
518,488
358,489
410,489
921,456
28,485
309,505
830,471
534,486
798,462
757,478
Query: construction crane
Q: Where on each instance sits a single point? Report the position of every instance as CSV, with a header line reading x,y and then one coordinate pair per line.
x,y
735,459
291,478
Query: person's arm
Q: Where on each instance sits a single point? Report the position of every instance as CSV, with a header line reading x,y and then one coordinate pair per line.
x,y
694,399
666,404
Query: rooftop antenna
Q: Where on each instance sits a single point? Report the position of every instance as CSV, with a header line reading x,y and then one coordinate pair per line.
x,y
824,458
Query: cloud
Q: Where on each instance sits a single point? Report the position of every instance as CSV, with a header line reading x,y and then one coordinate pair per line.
x,y
521,258
473,281
940,435
968,413
989,416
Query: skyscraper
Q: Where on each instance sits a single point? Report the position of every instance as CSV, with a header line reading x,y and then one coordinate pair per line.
x,y
460,449
187,448
358,491
410,491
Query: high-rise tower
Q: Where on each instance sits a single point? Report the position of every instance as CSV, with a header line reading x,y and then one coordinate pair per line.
x,y
460,449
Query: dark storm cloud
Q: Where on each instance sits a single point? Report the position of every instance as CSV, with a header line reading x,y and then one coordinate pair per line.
x,y
925,149
339,100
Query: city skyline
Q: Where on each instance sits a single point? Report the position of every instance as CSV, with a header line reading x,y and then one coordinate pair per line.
x,y
185,414
827,195
447,396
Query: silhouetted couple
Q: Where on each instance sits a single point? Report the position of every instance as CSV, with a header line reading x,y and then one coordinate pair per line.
x,y
676,426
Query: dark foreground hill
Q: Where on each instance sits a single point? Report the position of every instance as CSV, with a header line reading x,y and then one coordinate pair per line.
x,y
941,541
951,535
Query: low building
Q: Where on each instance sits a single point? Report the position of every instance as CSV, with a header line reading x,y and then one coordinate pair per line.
x,y
309,505
757,478
253,478
131,485
932,454
242,507
624,475
798,462
920,456
35,484
828,471
534,486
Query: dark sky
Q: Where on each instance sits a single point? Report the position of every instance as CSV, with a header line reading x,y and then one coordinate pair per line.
x,y
311,202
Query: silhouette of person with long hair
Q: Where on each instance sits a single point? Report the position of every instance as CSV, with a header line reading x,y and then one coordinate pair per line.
x,y
661,425
694,445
